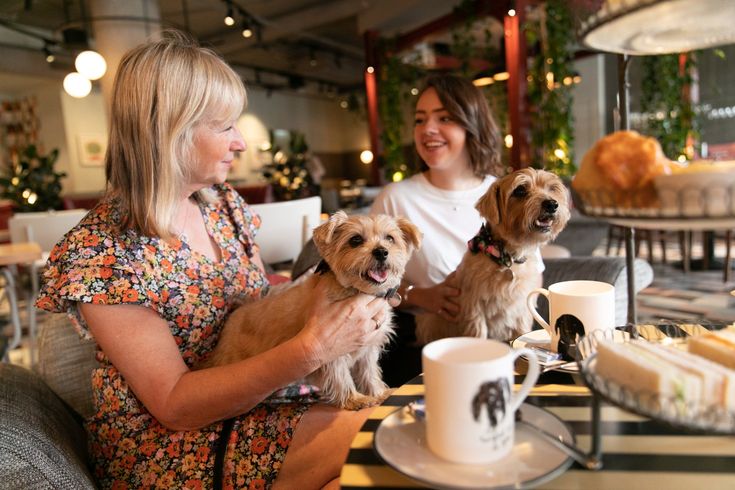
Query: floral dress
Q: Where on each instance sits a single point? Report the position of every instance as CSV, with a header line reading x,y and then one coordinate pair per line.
x,y
96,264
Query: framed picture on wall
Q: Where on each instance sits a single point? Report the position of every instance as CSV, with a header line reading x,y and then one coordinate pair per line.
x,y
92,147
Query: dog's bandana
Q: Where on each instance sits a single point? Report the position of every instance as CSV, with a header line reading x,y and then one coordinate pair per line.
x,y
484,243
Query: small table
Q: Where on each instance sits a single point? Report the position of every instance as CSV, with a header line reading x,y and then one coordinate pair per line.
x,y
637,453
11,255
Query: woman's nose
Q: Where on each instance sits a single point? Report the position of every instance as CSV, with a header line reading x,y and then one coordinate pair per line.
x,y
238,143
430,126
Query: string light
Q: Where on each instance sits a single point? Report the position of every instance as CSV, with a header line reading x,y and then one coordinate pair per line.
x,y
247,32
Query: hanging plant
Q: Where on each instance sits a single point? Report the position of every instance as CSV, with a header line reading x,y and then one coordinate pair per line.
x,y
550,88
671,118
31,181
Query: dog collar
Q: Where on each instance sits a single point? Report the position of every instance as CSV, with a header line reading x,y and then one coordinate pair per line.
x,y
323,267
486,244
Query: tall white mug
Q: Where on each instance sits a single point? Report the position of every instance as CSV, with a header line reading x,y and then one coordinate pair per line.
x,y
470,405
576,308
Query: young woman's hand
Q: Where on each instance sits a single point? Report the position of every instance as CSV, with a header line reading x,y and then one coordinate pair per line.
x,y
440,299
338,328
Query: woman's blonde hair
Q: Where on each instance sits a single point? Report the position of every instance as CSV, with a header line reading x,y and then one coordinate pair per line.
x,y
162,91
467,105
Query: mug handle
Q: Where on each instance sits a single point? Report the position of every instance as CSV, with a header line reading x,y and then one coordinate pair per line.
x,y
530,379
532,308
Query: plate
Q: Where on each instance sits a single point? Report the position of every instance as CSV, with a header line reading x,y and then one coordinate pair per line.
x,y
401,442
540,338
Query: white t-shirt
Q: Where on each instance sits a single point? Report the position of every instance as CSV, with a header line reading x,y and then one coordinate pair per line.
x,y
448,219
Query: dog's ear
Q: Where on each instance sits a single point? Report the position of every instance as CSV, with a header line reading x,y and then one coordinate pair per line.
x,y
490,204
323,233
411,233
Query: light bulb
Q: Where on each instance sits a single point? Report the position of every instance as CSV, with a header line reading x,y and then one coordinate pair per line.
x,y
366,156
76,85
91,65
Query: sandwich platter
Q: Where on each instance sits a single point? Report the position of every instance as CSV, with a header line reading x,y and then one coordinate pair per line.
x,y
680,406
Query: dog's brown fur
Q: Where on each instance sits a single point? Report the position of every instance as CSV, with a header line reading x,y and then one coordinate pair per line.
x,y
352,247
493,297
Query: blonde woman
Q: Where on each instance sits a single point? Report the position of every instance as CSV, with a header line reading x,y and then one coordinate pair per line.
x,y
151,273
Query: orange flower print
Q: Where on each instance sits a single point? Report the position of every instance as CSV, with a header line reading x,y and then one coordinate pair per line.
x,y
119,485
202,453
99,299
173,450
257,484
193,485
259,445
109,260
218,301
193,289
147,448
166,265
130,296
105,272
91,240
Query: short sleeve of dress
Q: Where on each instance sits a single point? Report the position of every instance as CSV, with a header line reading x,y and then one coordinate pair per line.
x,y
92,266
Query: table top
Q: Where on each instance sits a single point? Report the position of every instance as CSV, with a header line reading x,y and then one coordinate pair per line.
x,y
19,253
637,453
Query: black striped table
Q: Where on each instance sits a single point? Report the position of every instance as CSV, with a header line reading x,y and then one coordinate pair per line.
x,y
637,453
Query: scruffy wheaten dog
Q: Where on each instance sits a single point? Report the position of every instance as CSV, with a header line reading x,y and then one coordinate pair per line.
x,y
522,211
360,254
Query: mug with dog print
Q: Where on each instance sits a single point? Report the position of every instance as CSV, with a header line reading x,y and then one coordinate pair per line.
x,y
576,308
470,404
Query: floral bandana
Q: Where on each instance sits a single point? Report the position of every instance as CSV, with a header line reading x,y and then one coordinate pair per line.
x,y
484,243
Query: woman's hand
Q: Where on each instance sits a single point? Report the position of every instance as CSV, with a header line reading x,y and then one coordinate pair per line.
x,y
338,328
440,299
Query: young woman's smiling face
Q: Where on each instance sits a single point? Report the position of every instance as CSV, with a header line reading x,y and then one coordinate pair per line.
x,y
215,145
439,140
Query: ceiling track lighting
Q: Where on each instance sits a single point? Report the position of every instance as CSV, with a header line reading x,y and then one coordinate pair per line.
x,y
48,54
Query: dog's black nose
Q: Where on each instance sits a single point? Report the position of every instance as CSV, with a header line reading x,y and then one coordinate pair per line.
x,y
380,253
550,205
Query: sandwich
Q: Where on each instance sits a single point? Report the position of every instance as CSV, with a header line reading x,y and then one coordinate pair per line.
x,y
667,373
717,346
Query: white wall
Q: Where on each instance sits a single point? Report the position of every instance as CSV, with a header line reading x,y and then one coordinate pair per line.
x,y
327,127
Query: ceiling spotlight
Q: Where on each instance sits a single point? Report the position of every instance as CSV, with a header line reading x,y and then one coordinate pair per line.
x,y
247,32
49,55
229,19
312,58
366,156
91,64
511,13
370,69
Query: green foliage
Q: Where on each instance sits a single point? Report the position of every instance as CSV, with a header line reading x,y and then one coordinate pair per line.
x,y
671,117
396,82
288,173
550,89
31,182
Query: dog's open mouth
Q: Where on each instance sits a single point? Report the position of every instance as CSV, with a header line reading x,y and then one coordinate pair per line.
x,y
378,275
543,222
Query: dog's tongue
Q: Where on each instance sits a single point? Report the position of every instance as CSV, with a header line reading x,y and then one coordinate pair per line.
x,y
378,276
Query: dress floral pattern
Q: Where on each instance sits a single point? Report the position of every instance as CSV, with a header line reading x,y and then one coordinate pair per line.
x,y
97,264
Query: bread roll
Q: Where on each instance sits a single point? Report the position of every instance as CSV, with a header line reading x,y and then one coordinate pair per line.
x,y
618,171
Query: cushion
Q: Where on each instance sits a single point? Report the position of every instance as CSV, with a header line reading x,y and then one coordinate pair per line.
x,y
66,361
42,443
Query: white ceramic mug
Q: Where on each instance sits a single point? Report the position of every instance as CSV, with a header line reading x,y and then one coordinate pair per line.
x,y
470,407
575,309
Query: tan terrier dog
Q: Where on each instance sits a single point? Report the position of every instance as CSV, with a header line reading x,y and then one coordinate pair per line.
x,y
365,254
522,211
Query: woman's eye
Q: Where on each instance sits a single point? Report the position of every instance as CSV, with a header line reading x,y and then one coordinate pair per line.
x,y
356,241
390,239
520,191
418,121
445,119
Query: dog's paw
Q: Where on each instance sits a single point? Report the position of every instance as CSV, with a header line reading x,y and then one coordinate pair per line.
x,y
358,402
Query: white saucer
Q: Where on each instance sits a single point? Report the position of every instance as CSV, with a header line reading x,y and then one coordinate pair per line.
x,y
400,441
540,338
